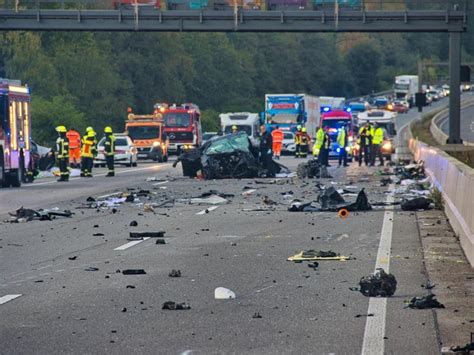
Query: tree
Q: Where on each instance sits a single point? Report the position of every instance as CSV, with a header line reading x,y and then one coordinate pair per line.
x,y
363,63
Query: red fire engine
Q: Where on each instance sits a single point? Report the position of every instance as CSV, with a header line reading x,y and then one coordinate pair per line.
x,y
182,126
15,132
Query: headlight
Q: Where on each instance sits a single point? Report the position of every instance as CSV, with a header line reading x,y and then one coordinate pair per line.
x,y
338,150
348,149
156,144
351,139
357,146
387,146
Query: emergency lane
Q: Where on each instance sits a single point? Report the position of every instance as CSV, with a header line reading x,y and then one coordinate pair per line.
x,y
238,246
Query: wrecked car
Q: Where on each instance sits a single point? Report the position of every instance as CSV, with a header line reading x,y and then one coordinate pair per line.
x,y
229,156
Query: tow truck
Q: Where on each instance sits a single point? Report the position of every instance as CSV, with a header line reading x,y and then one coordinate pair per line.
x,y
147,133
182,125
15,132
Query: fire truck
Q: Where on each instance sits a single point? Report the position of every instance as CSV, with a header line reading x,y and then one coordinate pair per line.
x,y
147,133
182,126
15,132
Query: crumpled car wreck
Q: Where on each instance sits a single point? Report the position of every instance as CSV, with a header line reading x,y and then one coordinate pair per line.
x,y
226,157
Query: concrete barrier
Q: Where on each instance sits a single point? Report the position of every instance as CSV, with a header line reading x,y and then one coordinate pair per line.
x,y
456,182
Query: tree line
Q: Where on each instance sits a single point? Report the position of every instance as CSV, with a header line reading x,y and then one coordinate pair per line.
x,y
82,79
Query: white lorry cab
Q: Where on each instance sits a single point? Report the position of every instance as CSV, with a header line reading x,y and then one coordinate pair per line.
x,y
245,122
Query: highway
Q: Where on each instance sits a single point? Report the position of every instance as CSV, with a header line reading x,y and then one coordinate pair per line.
x,y
467,123
65,309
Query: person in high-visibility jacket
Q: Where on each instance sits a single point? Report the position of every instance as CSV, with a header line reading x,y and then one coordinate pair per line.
x,y
324,149
62,150
109,150
304,144
364,141
319,142
74,147
90,130
87,154
298,136
343,141
371,144
277,139
377,142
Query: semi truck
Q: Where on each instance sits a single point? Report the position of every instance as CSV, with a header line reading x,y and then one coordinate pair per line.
x,y
405,88
288,111
15,132
244,121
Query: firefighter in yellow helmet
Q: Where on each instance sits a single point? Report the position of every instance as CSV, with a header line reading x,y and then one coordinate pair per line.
x,y
62,150
109,150
304,144
234,129
87,153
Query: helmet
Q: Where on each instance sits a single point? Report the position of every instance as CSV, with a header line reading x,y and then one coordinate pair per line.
x,y
108,129
298,128
61,129
88,129
234,128
91,134
303,129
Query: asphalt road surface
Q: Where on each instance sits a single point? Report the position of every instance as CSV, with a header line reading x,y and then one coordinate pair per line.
x,y
50,304
467,122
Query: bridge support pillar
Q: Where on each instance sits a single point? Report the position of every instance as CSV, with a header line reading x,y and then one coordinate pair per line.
x,y
454,88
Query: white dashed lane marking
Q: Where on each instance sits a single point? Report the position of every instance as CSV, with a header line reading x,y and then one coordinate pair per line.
x,y
8,298
207,210
131,244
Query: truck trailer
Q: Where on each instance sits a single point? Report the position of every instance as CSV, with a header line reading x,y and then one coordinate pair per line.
x,y
405,88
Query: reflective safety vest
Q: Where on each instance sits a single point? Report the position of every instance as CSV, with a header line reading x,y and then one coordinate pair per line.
x,y
378,136
298,137
62,147
341,138
109,149
277,136
74,139
319,138
87,147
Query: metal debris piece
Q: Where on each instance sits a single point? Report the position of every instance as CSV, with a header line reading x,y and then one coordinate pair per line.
x,y
378,284
26,215
173,306
428,301
91,269
141,235
175,273
257,315
133,272
418,203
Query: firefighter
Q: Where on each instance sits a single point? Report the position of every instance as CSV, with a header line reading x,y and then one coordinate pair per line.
x,y
377,141
62,150
342,140
74,147
277,138
93,134
364,142
324,150
372,151
305,140
298,141
87,154
234,129
109,150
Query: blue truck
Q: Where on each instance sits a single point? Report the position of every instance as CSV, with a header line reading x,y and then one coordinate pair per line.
x,y
291,110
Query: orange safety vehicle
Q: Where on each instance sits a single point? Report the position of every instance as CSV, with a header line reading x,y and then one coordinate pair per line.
x,y
148,135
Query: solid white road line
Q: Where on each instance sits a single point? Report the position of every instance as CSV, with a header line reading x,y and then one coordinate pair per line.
x,y
131,244
117,172
374,343
8,298
207,210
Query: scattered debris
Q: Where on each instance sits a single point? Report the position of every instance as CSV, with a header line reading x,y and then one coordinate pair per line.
x,y
222,293
173,306
124,309
98,234
27,215
361,203
425,302
378,284
257,315
309,169
175,273
90,268
133,272
160,241
130,286
418,203
73,257
208,200
364,315
428,285
311,255
466,349
268,201
141,235
133,224
314,265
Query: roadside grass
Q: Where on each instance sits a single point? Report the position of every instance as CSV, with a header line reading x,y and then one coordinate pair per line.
x,y
421,130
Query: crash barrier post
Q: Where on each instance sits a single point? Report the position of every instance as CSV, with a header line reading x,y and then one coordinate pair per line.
x,y
435,125
456,182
